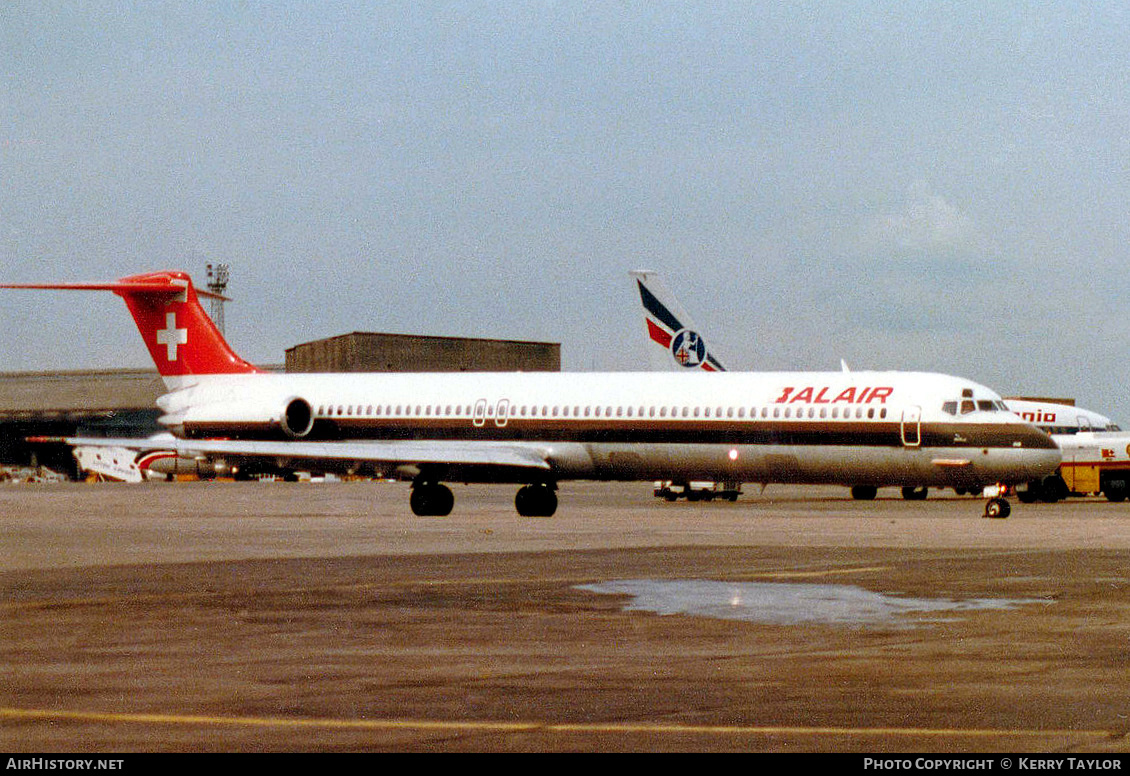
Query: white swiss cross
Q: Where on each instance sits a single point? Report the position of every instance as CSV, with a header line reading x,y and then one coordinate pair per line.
x,y
171,336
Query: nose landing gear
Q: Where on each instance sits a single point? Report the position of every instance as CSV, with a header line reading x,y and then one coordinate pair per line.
x,y
998,507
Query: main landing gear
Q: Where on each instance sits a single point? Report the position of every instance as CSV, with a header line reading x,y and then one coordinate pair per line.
x,y
537,500
433,499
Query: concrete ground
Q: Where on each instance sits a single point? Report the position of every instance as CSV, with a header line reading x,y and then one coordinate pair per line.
x,y
325,617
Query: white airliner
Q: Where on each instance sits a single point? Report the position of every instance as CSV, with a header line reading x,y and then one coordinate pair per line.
x,y
668,326
1059,418
536,429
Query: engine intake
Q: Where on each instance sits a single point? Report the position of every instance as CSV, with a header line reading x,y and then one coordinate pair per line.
x,y
298,418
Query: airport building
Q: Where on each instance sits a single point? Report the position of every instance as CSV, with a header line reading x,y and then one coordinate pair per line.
x,y
122,402
368,352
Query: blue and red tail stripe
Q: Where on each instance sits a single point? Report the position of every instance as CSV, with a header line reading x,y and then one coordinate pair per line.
x,y
656,308
662,330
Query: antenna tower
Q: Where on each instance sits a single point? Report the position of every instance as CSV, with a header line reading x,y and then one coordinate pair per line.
x,y
217,284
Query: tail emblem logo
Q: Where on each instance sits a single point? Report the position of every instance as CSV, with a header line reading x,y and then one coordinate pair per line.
x,y
688,348
171,337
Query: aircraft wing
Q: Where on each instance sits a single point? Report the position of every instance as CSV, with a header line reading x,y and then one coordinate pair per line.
x,y
339,455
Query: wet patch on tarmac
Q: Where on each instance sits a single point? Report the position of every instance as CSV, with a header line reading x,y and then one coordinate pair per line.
x,y
776,603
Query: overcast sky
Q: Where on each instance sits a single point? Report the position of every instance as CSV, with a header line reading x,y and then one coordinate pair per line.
x,y
926,186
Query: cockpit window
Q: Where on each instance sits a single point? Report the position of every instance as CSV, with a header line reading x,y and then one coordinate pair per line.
x,y
968,405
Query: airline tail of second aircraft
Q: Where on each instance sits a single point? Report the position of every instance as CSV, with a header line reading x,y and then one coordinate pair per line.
x,y
676,343
181,338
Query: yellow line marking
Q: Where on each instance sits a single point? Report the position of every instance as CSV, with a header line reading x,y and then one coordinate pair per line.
x,y
555,727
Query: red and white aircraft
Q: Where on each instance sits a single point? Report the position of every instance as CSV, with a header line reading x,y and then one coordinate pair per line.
x,y
536,429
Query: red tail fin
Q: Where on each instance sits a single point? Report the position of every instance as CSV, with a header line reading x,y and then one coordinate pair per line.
x,y
181,338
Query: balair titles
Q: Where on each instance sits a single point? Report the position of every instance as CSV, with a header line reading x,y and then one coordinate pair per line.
x,y
811,394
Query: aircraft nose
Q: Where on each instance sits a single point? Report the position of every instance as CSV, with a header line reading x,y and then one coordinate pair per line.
x,y
1041,463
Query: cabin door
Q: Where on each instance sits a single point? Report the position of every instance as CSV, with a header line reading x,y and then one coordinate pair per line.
x,y
912,427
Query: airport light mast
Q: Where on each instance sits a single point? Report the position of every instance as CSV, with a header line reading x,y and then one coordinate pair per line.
x,y
218,284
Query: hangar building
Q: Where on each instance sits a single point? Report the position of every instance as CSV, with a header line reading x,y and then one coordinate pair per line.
x,y
366,352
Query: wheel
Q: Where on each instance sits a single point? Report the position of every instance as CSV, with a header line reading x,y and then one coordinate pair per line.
x,y
536,501
864,492
1115,490
1030,493
1054,489
911,493
431,500
997,508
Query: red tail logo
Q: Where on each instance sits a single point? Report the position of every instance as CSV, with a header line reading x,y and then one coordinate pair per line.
x,y
181,338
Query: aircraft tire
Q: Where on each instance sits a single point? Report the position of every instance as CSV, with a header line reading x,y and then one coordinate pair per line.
x,y
997,508
536,501
431,500
864,492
